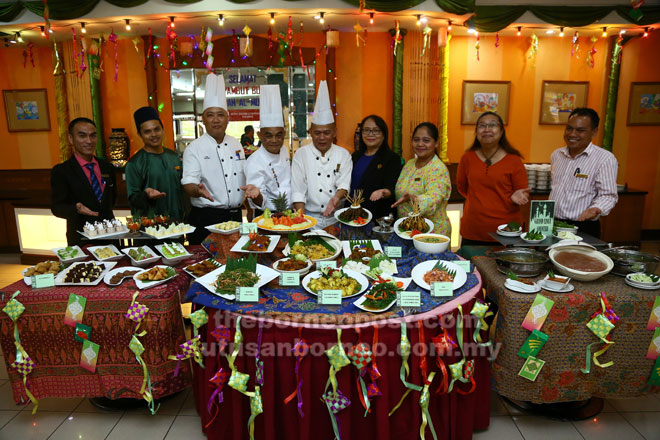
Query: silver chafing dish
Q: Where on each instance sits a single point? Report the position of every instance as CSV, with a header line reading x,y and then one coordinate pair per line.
x,y
630,261
521,261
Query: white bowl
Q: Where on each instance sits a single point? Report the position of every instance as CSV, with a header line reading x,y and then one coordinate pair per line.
x,y
522,237
578,274
302,271
431,248
557,285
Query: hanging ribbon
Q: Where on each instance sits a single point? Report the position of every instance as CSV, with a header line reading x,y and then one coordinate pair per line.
x,y
480,311
374,374
46,18
259,371
424,400
58,64
335,403
404,348
601,324
533,48
235,50
136,312
83,49
150,48
145,391
334,399
198,319
75,51
246,31
397,35
289,34
426,32
444,344
100,53
209,49
361,356
270,46
476,47
189,349
456,369
575,43
497,40
113,39
218,380
30,46
171,38
300,350
592,52
358,28
256,408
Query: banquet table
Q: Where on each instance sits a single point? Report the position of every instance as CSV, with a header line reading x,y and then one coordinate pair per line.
x,y
561,379
57,355
285,315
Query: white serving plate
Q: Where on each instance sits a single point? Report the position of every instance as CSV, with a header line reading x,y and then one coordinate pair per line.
x,y
274,239
149,284
358,303
104,236
189,230
346,247
119,255
80,256
266,275
406,235
116,270
311,223
175,260
214,261
142,263
522,237
59,279
302,271
516,288
567,288
212,228
641,286
28,280
420,270
503,233
353,224
364,282
332,241
575,237
633,282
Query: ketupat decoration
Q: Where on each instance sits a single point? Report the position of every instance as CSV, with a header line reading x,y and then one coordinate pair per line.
x,y
222,335
404,349
480,311
145,391
334,399
601,324
198,318
189,349
361,356
424,400
136,312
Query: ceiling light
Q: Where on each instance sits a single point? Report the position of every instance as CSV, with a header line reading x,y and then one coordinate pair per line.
x,y
221,19
419,19
371,18
18,37
171,21
321,19
519,30
604,31
646,32
448,25
272,18
43,30
561,31
82,27
128,24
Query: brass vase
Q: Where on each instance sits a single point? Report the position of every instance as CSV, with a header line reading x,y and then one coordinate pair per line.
x,y
118,147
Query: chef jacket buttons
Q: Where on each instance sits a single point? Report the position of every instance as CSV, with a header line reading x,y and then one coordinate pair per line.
x,y
328,176
319,174
320,190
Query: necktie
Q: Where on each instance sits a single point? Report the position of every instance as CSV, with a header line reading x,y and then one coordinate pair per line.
x,y
96,186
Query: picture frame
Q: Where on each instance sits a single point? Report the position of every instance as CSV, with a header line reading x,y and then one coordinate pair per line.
x,y
27,110
560,98
483,96
644,103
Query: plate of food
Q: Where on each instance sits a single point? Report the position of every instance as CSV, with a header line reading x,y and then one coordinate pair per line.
x,y
282,218
438,270
564,226
202,268
355,215
256,243
316,246
382,295
104,229
641,280
361,250
105,253
511,229
293,264
141,256
84,273
118,275
70,254
173,252
412,225
148,278
555,283
567,235
44,267
174,230
349,282
242,272
225,228
532,237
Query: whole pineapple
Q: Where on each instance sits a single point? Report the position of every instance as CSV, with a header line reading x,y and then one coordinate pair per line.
x,y
281,204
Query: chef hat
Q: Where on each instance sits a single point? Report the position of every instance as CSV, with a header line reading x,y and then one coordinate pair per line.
x,y
270,106
144,114
214,93
322,108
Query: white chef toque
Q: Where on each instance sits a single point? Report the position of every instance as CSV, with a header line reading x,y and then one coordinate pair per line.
x,y
214,93
270,107
322,108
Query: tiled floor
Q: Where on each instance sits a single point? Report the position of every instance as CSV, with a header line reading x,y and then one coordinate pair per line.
x,y
65,419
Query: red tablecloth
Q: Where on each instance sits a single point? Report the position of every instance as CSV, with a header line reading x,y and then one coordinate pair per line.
x,y
454,416
52,346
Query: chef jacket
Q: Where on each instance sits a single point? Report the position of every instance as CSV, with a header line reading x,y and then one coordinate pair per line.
x,y
271,173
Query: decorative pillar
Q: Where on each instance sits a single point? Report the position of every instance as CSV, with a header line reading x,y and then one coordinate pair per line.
x,y
97,110
60,100
397,116
150,72
444,97
612,92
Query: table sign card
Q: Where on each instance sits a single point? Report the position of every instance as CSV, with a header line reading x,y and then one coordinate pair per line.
x,y
655,374
654,319
654,347
542,216
247,228
533,344
89,355
408,299
82,332
442,288
393,251
74,310
247,294
463,264
329,297
43,281
329,264
531,369
538,313
289,279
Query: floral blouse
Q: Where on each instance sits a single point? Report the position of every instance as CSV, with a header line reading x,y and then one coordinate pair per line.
x,y
432,186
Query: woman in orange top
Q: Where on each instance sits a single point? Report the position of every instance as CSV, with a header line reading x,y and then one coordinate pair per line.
x,y
492,178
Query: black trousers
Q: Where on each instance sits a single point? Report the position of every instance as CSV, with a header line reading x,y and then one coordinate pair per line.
x,y
202,217
591,227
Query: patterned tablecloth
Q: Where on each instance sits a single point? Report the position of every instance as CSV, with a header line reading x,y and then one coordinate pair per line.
x,y
564,353
52,346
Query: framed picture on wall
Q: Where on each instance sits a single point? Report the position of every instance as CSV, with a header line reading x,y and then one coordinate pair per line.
x,y
560,98
485,96
644,104
27,110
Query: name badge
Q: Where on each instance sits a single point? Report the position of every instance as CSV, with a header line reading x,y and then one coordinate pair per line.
x,y
329,297
442,288
289,279
582,176
247,294
329,264
408,299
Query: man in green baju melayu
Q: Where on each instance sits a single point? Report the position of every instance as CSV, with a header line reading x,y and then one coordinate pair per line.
x,y
153,174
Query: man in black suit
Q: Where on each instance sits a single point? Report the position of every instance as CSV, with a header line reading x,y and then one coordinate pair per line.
x,y
83,187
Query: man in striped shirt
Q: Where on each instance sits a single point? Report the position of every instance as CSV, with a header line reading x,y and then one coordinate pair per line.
x,y
583,175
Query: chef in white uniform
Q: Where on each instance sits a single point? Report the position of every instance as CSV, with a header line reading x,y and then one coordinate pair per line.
x,y
213,166
321,172
268,170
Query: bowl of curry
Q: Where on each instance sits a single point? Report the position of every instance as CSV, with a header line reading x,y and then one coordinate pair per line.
x,y
580,262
